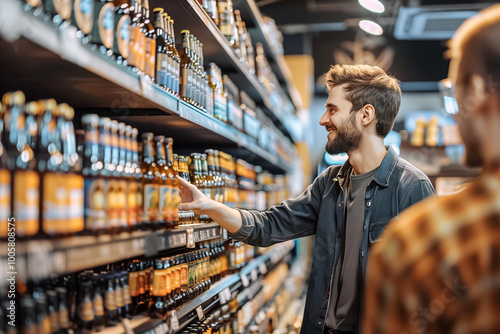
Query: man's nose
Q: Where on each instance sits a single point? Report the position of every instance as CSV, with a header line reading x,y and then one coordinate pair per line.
x,y
324,120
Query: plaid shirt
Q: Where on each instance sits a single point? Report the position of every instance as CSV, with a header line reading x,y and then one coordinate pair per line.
x,y
437,269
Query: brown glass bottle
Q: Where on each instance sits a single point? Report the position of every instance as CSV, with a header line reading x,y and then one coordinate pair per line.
x,y
164,188
173,175
145,22
135,187
157,310
169,54
94,199
161,65
186,69
102,30
121,28
176,58
150,182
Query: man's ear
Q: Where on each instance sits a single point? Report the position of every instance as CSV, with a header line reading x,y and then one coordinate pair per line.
x,y
367,115
478,90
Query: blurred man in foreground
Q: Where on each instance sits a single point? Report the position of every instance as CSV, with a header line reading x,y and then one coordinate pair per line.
x,y
438,269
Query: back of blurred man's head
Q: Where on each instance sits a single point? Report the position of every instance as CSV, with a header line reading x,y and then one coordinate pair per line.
x,y
475,70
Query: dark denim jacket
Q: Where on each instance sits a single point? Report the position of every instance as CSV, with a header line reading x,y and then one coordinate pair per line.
x,y
320,210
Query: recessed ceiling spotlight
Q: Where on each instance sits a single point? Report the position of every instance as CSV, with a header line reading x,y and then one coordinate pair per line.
x,y
371,27
372,5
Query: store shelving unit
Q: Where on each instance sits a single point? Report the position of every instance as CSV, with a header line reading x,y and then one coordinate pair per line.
x,y
39,258
49,61
250,13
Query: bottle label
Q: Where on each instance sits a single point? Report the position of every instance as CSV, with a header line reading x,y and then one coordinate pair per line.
x,y
26,197
159,284
74,202
85,310
220,107
95,204
83,15
98,305
123,35
151,202
134,45
139,200
161,69
165,202
133,287
184,83
54,323
141,283
106,22
184,275
112,204
168,277
119,296
126,295
63,318
110,300
5,198
150,60
177,278
142,51
131,203
122,203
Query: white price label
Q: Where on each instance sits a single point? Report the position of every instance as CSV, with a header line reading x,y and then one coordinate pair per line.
x,y
254,274
227,294
190,238
244,280
199,311
263,268
222,298
224,234
174,322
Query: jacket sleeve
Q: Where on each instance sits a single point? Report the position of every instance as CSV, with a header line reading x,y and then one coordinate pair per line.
x,y
420,189
291,219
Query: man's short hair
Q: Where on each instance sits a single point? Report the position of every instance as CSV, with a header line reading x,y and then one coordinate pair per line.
x,y
477,38
369,85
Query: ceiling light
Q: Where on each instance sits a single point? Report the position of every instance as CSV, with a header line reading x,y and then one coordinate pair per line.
x,y
371,27
372,5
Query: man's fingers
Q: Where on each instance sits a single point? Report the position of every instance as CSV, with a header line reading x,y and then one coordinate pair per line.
x,y
187,206
184,183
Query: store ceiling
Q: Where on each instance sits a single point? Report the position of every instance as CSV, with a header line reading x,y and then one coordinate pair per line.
x,y
413,52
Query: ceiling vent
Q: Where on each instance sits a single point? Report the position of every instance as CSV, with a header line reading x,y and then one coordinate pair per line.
x,y
432,22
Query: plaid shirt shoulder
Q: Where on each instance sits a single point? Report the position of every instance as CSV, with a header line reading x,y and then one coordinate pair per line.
x,y
437,269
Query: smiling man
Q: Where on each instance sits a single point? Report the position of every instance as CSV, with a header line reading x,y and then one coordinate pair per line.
x,y
347,207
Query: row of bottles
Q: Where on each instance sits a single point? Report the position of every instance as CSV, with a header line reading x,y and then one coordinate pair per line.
x,y
194,85
126,189
40,170
233,28
102,297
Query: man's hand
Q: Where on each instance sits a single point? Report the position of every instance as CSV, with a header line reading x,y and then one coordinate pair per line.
x,y
192,198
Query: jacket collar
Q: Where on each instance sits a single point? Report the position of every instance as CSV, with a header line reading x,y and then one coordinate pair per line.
x,y
383,173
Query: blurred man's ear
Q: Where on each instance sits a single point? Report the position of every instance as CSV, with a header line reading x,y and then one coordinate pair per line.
x,y
478,89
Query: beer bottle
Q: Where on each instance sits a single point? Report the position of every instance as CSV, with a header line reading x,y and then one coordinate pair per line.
x,y
85,307
242,48
82,17
165,185
177,280
23,171
184,278
133,280
127,301
144,31
136,184
226,20
120,305
186,85
169,53
110,307
5,179
173,175
249,49
176,58
62,310
94,199
159,291
121,181
208,177
121,27
102,30
73,179
53,187
135,41
161,67
194,61
150,181
111,190
141,284
97,301
149,67
169,295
